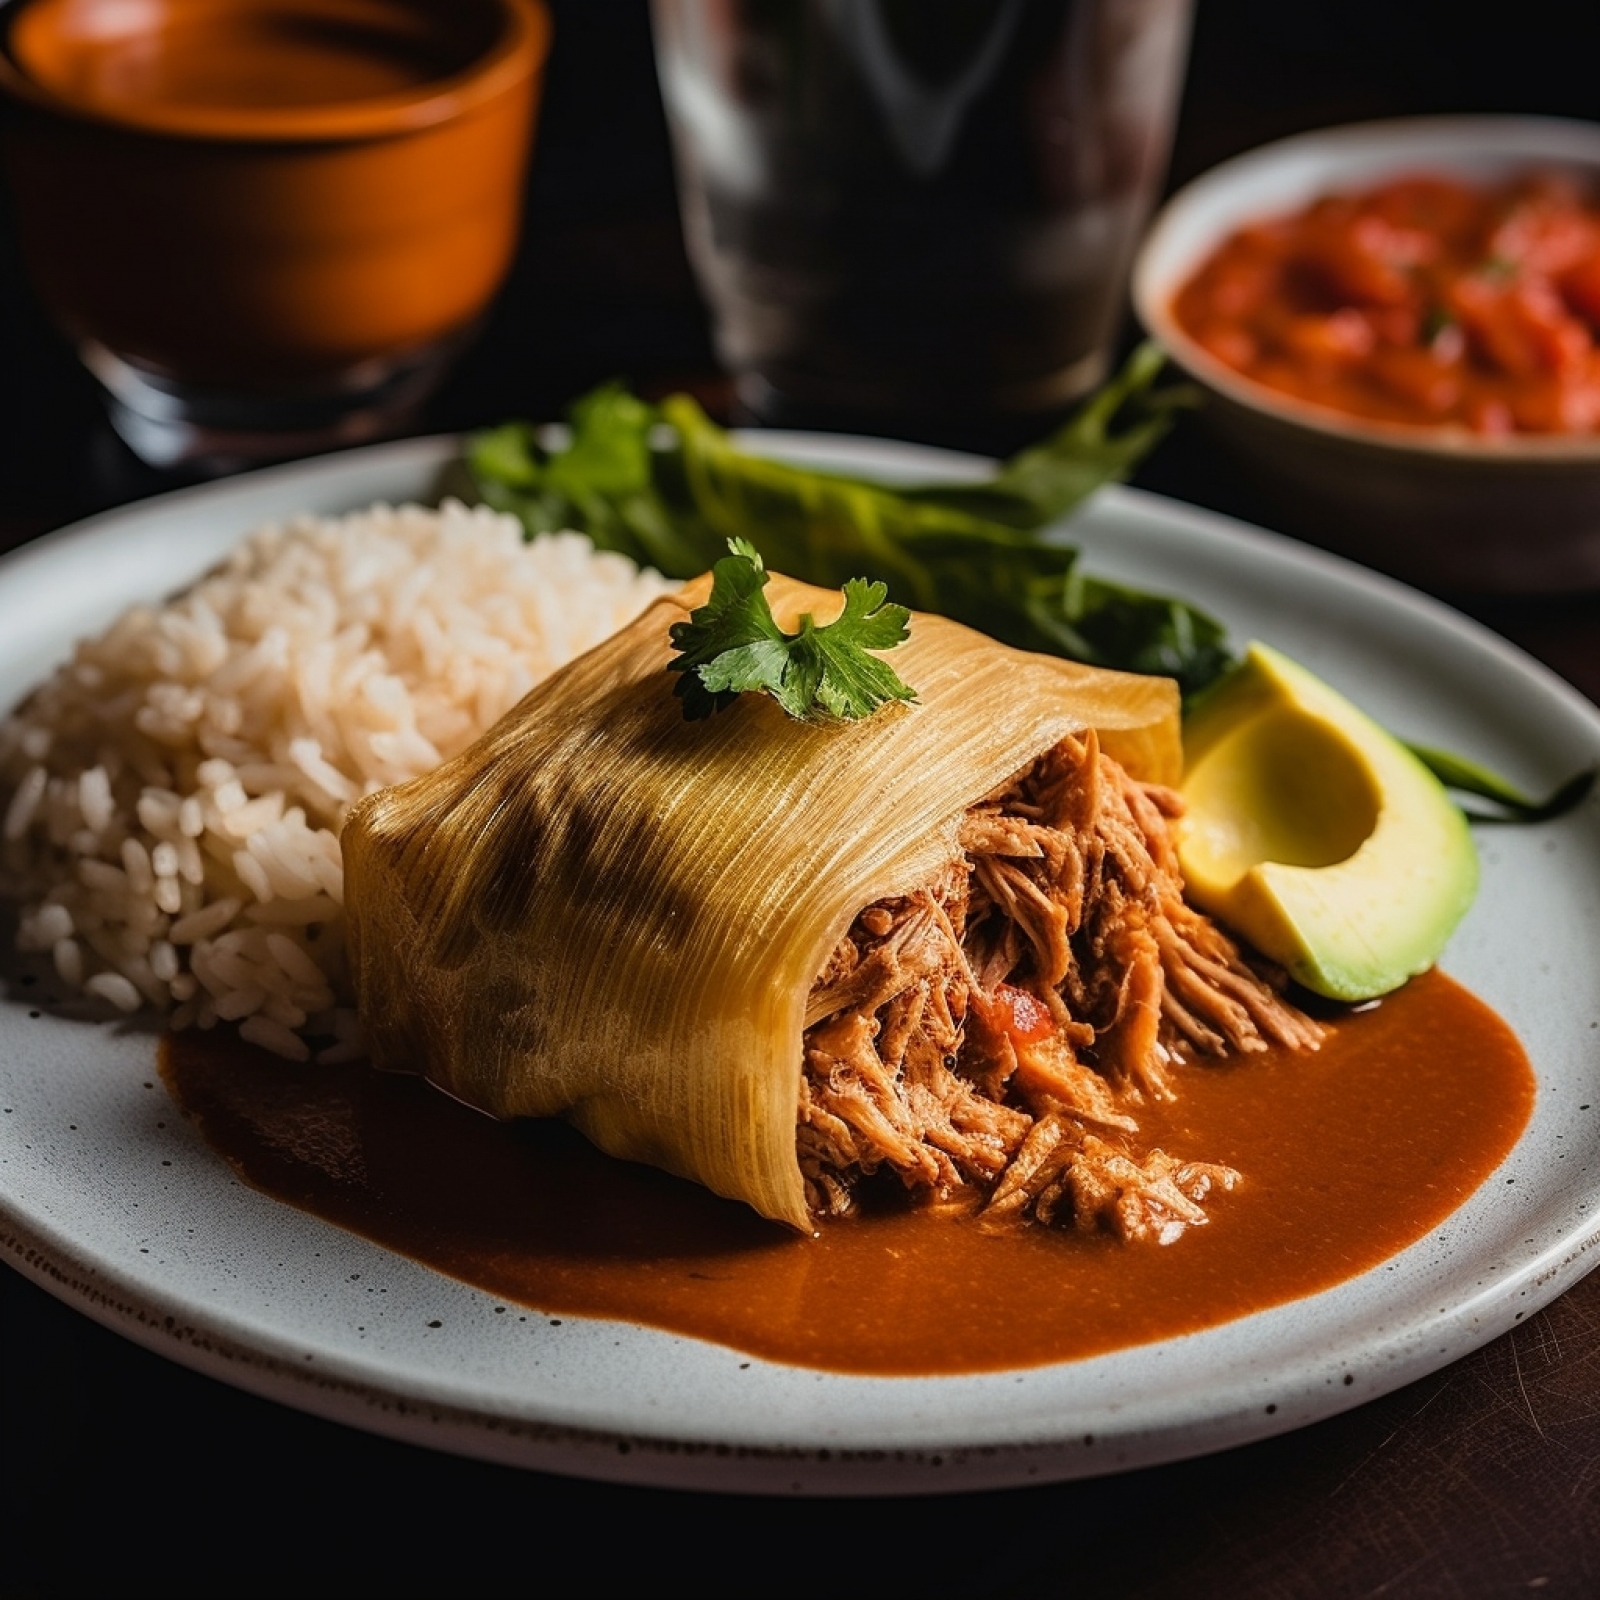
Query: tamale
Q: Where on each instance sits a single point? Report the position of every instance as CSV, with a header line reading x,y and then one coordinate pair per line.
x,y
605,912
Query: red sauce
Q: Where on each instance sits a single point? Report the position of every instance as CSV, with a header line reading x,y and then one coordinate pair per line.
x,y
1348,1155
1422,301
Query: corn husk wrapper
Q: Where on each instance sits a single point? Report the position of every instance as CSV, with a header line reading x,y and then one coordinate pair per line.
x,y
604,912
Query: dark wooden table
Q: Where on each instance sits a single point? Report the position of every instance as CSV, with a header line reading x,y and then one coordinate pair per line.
x,y
127,1475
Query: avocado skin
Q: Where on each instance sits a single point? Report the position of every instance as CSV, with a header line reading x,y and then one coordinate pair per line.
x,y
1316,835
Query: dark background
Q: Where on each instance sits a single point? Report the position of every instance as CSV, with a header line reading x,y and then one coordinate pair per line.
x,y
124,1474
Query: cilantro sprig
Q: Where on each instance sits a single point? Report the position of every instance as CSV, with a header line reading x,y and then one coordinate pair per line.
x,y
732,645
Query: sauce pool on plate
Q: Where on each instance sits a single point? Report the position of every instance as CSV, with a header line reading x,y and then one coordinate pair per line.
x,y
1424,301
1348,1155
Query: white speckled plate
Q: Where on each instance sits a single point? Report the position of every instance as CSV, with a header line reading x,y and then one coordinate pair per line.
x,y
111,1200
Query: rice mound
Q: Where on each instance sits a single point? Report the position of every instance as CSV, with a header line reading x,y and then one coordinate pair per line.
x,y
172,797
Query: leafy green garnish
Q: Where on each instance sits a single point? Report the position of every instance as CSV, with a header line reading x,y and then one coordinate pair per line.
x,y
1042,483
732,645
666,486
1467,777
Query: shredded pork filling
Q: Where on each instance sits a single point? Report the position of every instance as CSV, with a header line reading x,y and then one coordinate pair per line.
x,y
999,1029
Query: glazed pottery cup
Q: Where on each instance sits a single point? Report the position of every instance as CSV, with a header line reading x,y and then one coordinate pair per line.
x,y
268,224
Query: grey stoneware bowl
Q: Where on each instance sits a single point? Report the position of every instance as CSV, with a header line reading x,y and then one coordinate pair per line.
x,y
1439,506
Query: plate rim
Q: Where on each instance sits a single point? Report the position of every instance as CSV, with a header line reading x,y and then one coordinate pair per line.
x,y
169,1327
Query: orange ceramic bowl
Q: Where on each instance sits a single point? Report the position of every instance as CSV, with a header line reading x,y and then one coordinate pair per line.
x,y
261,196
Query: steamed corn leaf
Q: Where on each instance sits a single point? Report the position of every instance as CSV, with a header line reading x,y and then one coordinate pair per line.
x,y
717,863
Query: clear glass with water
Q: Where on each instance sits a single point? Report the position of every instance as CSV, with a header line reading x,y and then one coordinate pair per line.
x,y
917,212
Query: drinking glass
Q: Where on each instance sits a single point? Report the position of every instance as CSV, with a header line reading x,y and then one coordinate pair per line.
x,y
917,213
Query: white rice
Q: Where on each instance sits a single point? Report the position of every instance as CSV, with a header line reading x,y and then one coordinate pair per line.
x,y
171,800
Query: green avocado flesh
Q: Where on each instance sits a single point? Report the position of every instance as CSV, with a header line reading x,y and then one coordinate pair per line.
x,y
1318,836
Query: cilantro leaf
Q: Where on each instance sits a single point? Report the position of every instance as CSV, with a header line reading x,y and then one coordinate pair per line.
x,y
732,645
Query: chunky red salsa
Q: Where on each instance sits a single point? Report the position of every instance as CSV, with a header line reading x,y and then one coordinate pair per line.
x,y
1423,301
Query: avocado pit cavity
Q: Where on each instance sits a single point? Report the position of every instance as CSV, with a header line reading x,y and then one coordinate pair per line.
x,y
1315,834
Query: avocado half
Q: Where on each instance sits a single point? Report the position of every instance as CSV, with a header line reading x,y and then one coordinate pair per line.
x,y
1316,835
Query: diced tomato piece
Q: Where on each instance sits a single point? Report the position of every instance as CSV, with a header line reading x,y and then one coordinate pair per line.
x,y
1396,324
1436,205
1418,377
1026,1019
1345,336
1491,418
1229,344
1366,260
1545,233
1351,273
1520,328
1581,287
1557,403
1562,340
1238,289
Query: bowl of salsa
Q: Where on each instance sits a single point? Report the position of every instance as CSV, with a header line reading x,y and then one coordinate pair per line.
x,y
1397,326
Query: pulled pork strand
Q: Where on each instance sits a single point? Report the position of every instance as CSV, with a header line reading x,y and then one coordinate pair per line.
x,y
997,1030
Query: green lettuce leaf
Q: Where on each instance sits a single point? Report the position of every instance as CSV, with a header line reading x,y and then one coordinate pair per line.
x,y
667,487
